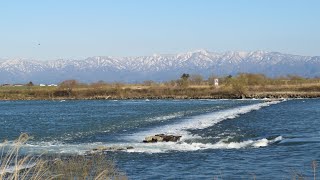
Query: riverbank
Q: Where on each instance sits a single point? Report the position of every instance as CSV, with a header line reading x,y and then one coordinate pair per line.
x,y
159,92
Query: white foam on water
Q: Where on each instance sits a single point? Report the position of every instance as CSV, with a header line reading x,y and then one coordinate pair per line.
x,y
166,117
160,147
244,144
57,147
12,169
163,147
198,122
181,128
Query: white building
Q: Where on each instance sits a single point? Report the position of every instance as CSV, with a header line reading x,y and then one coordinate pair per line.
x,y
18,85
42,85
53,85
216,82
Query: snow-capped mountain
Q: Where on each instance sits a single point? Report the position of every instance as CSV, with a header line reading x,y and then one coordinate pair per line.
x,y
158,67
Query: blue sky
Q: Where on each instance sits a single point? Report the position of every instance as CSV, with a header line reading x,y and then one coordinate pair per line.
x,y
78,28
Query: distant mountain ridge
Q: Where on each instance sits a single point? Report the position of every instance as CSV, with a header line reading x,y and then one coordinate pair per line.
x,y
158,67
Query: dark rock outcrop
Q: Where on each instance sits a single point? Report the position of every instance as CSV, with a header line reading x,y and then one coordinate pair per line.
x,y
104,149
161,138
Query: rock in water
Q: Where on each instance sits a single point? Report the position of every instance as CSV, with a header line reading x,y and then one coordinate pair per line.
x,y
161,138
104,149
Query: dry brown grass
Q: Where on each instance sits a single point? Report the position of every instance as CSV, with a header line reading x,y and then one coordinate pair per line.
x,y
15,166
96,167
242,85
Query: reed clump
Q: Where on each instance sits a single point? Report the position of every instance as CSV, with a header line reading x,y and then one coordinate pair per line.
x,y
14,165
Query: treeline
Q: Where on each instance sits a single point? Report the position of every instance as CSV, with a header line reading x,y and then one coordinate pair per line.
x,y
186,80
243,85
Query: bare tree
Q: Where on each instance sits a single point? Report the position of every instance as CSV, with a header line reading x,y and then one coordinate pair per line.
x,y
196,79
69,85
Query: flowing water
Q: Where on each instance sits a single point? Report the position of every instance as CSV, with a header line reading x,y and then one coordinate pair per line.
x,y
228,139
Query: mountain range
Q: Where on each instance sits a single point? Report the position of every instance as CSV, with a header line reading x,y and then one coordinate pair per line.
x,y
158,67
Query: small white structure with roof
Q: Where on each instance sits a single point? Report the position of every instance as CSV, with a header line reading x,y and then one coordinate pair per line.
x,y
216,82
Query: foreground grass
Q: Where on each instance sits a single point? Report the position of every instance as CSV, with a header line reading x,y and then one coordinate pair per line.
x,y
15,166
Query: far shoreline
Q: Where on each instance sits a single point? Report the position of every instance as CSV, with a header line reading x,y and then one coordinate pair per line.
x,y
269,96
242,86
